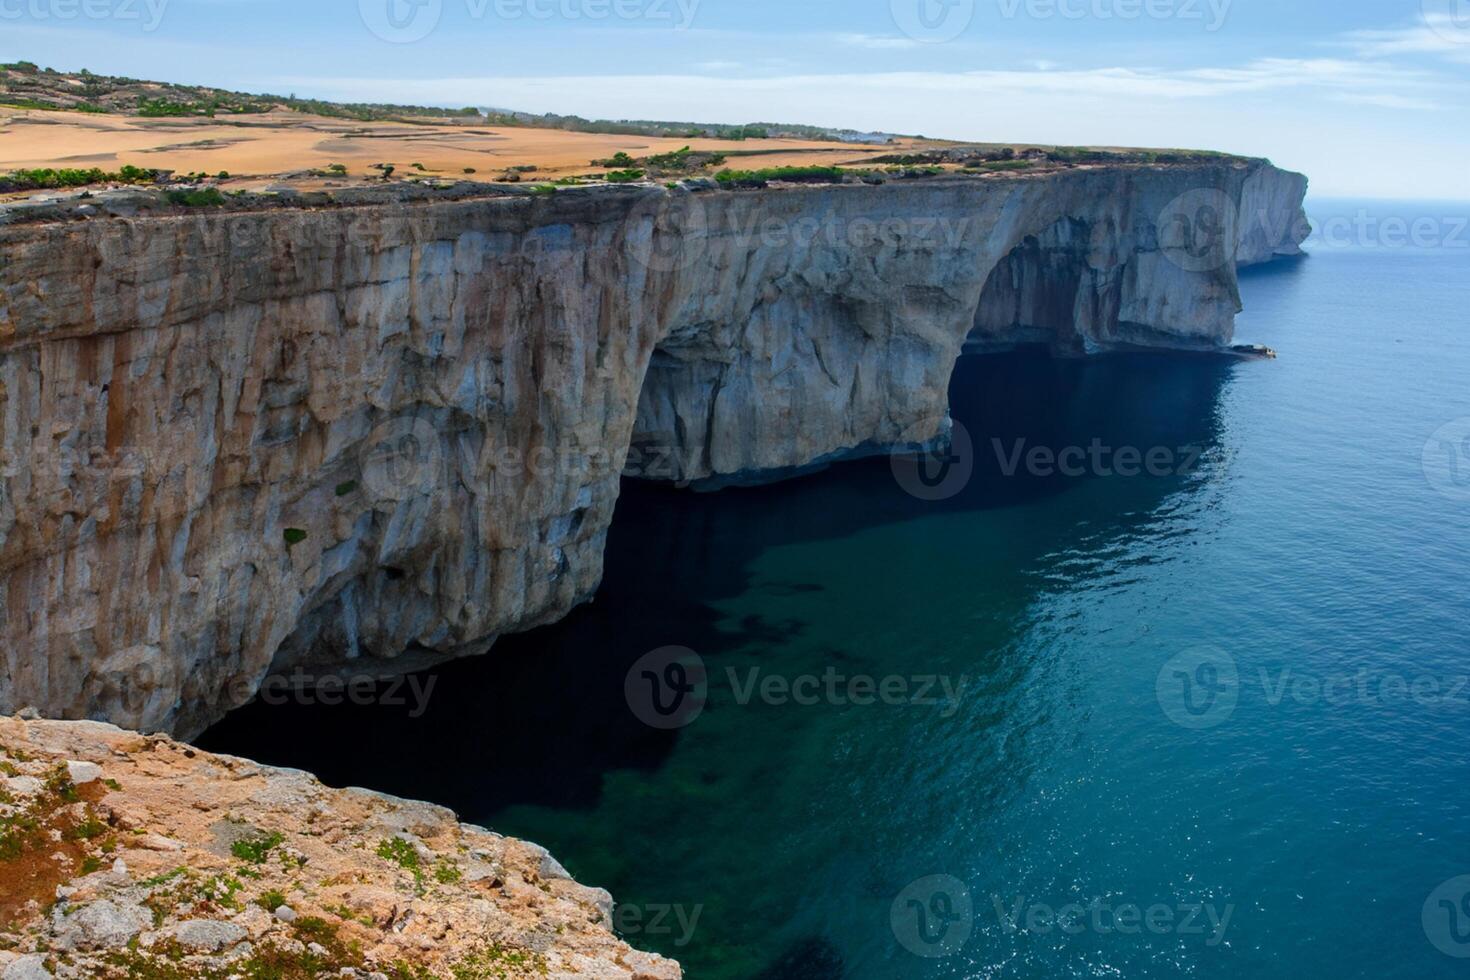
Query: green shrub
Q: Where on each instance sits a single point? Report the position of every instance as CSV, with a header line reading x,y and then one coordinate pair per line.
x,y
495,962
271,900
677,160
255,849
400,852
161,108
49,178
759,178
209,197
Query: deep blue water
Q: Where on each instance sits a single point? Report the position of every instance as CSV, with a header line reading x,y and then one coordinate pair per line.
x,y
1299,567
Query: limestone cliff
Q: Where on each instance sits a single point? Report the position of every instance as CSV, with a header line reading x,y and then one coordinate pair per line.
x,y
322,435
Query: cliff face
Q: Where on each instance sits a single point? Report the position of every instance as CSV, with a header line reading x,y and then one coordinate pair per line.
x,y
316,437
1272,222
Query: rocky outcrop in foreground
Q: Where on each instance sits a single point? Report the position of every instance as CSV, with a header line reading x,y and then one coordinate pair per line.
x,y
353,435
123,856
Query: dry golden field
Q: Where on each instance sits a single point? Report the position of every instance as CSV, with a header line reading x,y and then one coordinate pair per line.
x,y
256,148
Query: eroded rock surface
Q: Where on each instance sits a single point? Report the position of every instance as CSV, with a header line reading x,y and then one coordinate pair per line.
x,y
174,862
358,435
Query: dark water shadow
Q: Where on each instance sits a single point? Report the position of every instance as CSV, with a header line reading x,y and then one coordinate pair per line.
x,y
543,719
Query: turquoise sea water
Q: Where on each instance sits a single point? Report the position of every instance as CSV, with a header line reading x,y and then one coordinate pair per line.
x,y
1217,718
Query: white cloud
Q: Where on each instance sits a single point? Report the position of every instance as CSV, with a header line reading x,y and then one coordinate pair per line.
x,y
1385,101
877,42
1365,80
1438,35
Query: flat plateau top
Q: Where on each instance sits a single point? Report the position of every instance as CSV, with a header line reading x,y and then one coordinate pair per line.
x,y
256,148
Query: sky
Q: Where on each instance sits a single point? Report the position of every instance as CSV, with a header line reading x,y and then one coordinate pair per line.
x,y
1367,97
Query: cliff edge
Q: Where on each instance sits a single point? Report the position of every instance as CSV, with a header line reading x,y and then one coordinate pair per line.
x,y
123,856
